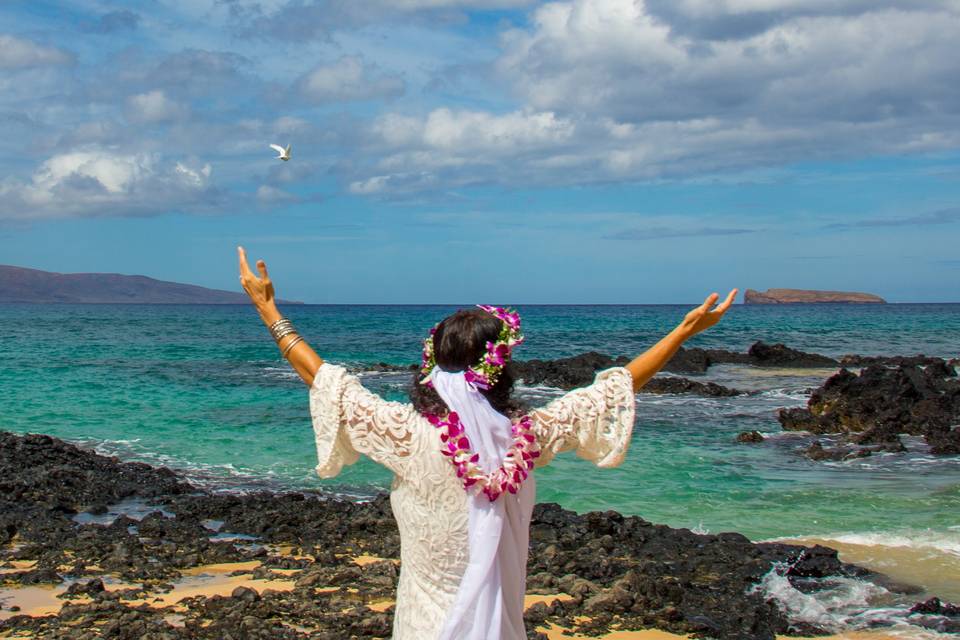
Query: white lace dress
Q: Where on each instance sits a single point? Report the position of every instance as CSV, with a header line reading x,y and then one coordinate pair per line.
x,y
427,498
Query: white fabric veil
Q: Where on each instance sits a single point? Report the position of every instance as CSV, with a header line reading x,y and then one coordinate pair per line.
x,y
489,602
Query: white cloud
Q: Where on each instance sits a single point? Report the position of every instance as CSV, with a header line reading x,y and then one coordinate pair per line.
x,y
395,130
469,132
274,6
395,183
375,184
614,58
346,80
115,173
272,195
96,182
415,5
712,8
290,124
16,53
439,149
589,91
625,90
191,177
154,106
196,73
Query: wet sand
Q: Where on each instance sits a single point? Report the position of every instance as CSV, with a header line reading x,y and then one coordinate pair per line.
x,y
781,372
33,601
558,633
216,580
206,581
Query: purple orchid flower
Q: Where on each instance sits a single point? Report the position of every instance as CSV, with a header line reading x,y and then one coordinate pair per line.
x,y
476,379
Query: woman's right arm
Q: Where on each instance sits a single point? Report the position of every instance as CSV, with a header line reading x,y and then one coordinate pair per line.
x,y
597,420
301,355
647,364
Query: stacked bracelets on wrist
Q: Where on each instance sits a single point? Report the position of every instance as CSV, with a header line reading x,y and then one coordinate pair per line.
x,y
282,328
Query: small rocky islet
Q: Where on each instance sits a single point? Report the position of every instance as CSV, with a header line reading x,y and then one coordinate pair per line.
x,y
809,296
593,572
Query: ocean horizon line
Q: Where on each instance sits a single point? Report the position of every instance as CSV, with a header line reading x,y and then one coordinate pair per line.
x,y
468,304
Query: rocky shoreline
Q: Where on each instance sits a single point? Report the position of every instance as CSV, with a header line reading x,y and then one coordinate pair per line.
x,y
865,412
118,576
120,544
579,370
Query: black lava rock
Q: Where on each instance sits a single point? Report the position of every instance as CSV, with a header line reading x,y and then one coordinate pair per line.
x,y
879,403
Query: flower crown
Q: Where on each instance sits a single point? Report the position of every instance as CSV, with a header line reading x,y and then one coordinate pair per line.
x,y
485,373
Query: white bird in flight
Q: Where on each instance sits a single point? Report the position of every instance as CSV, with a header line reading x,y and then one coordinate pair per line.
x,y
284,153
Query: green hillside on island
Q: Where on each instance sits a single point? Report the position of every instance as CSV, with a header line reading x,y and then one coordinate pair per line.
x,y
800,296
19,284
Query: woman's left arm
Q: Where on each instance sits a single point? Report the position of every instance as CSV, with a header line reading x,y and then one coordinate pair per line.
x,y
301,355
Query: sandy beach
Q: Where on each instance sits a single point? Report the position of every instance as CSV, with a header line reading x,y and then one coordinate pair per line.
x,y
222,580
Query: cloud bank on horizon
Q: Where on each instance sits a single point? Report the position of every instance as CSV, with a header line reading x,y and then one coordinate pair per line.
x,y
116,112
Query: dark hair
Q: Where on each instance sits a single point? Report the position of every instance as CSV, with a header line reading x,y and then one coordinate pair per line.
x,y
458,344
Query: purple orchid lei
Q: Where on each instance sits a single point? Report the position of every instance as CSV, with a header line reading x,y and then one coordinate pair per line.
x,y
517,463
485,373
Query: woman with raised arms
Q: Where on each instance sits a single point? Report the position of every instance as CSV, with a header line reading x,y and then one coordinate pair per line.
x,y
463,454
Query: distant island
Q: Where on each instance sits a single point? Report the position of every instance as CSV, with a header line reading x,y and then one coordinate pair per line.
x,y
797,296
18,284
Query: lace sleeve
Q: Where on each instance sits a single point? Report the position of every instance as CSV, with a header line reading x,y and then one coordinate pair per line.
x,y
596,421
349,420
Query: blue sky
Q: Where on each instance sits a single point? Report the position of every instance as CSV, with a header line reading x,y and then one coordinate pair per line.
x,y
582,151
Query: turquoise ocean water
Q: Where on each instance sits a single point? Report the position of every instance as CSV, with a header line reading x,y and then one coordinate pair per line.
x,y
203,389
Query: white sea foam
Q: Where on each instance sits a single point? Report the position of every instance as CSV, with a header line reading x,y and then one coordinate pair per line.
x,y
843,604
946,542
700,529
791,394
285,373
832,608
786,435
225,478
783,372
204,475
939,541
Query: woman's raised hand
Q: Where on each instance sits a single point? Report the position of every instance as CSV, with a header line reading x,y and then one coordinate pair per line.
x,y
703,317
259,289
294,348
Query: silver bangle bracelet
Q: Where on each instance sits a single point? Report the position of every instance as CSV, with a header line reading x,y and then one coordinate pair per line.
x,y
283,331
273,326
280,328
292,344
